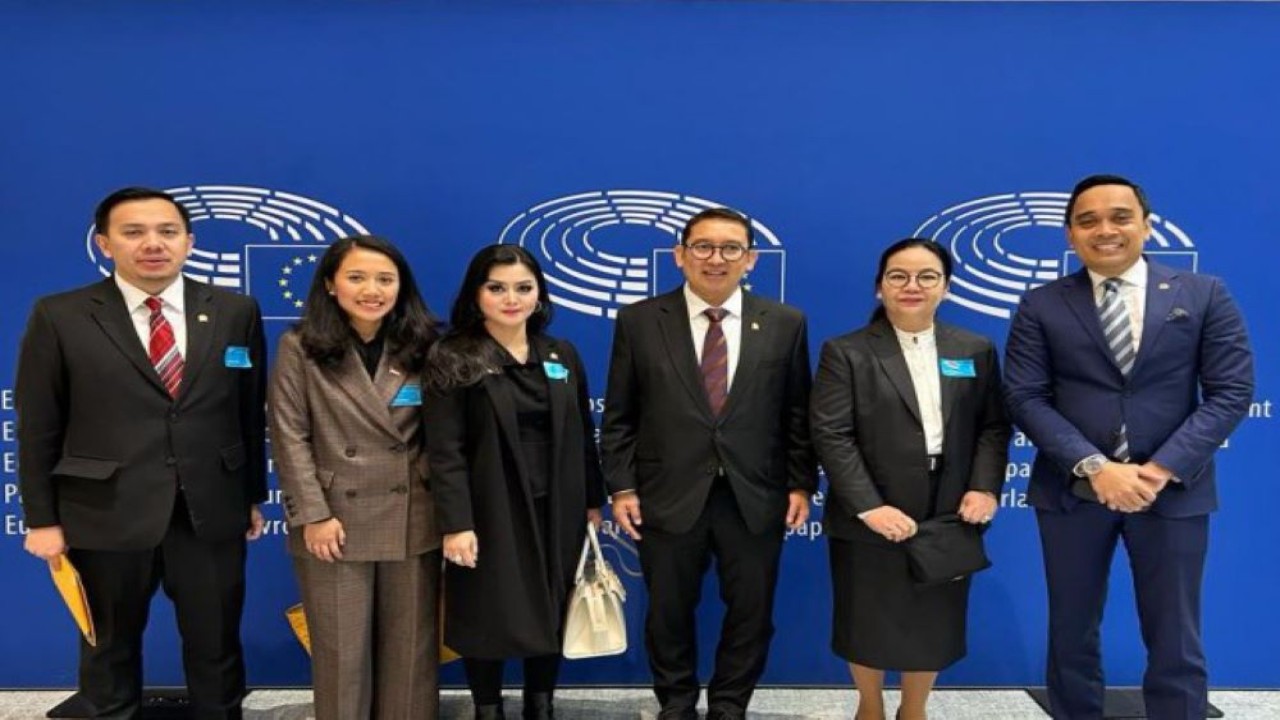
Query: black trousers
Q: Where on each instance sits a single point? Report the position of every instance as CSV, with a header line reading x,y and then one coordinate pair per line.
x,y
205,581
747,568
484,677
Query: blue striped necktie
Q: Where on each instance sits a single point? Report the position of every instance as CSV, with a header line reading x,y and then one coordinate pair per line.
x,y
1118,330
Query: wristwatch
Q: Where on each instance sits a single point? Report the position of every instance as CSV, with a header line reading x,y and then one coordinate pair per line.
x,y
1091,465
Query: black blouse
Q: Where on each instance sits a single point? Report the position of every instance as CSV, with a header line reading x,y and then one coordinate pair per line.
x,y
528,382
370,352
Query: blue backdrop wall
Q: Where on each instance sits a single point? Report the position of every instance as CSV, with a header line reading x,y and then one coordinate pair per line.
x,y
588,131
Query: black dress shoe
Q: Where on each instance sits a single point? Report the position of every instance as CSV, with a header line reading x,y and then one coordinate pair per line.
x,y
678,714
537,706
489,712
723,714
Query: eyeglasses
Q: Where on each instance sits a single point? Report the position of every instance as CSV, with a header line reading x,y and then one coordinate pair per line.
x,y
926,279
731,252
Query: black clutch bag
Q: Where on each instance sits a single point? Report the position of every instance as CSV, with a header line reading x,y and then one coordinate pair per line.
x,y
944,549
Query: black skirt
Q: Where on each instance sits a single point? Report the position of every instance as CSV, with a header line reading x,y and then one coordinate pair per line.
x,y
882,619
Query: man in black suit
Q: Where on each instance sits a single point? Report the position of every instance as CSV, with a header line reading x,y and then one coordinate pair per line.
x,y
706,430
140,438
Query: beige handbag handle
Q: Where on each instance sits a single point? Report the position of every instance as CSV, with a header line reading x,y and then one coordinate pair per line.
x,y
591,543
604,572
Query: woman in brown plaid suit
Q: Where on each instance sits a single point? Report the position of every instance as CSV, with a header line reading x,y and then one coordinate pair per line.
x,y
515,476
346,435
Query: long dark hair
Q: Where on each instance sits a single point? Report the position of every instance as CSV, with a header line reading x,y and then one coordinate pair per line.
x,y
905,244
466,352
325,329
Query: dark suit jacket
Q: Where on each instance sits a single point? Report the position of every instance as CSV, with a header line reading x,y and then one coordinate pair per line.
x,y
342,450
660,439
869,436
103,448
1191,384
512,603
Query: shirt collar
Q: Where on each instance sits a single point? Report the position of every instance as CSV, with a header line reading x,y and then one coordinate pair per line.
x,y
697,305
916,340
171,296
1136,275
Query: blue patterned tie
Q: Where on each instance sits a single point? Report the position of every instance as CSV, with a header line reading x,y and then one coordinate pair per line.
x,y
1117,329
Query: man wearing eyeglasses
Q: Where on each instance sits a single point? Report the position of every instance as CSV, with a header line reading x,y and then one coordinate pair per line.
x,y
707,455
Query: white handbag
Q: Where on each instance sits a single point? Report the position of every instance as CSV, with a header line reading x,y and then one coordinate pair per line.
x,y
595,625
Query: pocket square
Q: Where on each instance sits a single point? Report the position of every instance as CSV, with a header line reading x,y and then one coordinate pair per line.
x,y
1177,314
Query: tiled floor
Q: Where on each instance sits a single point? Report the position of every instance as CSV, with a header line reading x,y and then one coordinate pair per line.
x,y
633,704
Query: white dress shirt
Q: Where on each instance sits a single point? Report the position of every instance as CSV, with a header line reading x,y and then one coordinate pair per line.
x,y
920,350
1133,292
731,326
172,307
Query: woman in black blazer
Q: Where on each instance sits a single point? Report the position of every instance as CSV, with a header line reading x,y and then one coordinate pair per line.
x,y
907,419
515,475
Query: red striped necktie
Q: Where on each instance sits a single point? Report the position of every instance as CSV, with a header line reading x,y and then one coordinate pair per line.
x,y
715,361
163,348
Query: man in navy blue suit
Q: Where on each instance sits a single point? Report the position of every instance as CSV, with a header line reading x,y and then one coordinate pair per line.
x,y
1127,376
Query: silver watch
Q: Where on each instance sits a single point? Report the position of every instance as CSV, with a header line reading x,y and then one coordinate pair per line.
x,y
1091,465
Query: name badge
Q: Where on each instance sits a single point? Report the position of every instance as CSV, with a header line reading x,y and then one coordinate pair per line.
x,y
957,368
237,356
409,395
555,370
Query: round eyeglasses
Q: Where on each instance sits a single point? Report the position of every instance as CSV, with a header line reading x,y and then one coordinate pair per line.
x,y
730,252
926,279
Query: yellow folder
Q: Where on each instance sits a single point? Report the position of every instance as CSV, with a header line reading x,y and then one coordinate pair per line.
x,y
67,580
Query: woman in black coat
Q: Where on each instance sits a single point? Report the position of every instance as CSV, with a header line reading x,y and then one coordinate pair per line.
x,y
515,476
906,415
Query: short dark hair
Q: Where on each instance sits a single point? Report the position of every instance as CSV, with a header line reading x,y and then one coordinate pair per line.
x,y
905,244
466,353
719,213
1094,181
325,329
102,215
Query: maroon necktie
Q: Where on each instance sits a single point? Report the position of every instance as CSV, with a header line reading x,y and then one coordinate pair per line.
x,y
715,361
163,348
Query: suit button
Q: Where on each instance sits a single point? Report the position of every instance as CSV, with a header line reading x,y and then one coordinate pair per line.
x,y
400,489
398,447
171,461
349,452
351,493
173,417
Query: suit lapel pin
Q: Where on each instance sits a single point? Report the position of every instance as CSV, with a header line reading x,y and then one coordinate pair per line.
x,y
755,325
202,318
555,356
1163,286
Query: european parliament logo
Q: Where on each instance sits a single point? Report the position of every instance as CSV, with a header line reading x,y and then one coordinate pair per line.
x,y
1005,245
263,242
605,249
